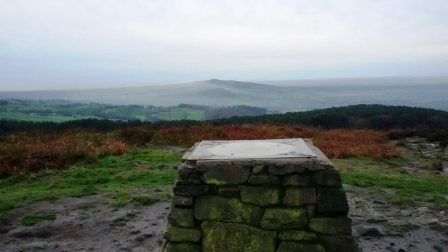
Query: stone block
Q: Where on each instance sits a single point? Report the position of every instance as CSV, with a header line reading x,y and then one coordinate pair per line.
x,y
296,235
177,234
182,201
296,180
181,217
299,196
229,191
231,237
263,180
329,177
331,200
311,211
289,246
222,209
257,214
338,243
188,175
286,169
333,226
284,218
222,175
182,247
260,195
190,190
257,169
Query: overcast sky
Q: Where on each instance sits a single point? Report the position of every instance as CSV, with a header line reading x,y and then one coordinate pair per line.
x,y
46,44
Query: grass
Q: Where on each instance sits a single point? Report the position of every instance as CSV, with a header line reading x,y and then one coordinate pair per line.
x,y
39,118
49,111
140,176
387,174
31,220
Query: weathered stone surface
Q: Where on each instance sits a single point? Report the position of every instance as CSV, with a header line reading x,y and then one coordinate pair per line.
x,y
221,175
181,217
230,237
247,204
329,177
276,218
289,246
263,180
260,195
296,180
222,209
296,235
184,247
311,211
257,214
190,190
322,161
287,169
257,169
369,231
399,227
338,243
229,191
41,231
177,234
332,201
182,201
187,174
299,196
324,225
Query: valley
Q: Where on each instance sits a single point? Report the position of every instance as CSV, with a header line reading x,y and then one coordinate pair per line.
x,y
277,96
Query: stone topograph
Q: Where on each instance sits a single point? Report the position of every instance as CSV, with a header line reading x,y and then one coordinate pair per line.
x,y
268,205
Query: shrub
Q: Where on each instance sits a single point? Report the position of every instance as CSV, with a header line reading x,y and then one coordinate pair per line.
x,y
33,152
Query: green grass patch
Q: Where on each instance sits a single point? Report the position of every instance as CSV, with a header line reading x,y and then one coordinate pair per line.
x,y
31,220
53,111
144,200
408,189
125,179
39,118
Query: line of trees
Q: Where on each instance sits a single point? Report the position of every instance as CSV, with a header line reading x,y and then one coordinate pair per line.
x,y
361,116
377,117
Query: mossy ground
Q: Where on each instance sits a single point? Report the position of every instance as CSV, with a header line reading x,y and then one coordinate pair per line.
x,y
140,177
146,175
388,177
31,220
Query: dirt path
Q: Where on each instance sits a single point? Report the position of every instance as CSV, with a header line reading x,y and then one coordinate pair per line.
x,y
86,224
93,223
381,226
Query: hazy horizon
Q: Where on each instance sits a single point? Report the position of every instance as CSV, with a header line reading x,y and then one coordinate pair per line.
x,y
78,44
330,82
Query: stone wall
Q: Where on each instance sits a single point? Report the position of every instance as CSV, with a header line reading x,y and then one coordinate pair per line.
x,y
259,205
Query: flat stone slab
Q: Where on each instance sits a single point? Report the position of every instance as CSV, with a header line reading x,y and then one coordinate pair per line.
x,y
251,149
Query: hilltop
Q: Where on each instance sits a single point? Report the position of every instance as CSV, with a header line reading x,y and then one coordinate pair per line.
x,y
114,178
277,96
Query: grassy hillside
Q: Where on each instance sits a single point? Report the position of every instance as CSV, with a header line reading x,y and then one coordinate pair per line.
x,y
387,177
127,178
145,175
61,111
120,160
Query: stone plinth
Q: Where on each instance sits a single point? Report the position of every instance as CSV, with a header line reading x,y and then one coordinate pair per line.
x,y
261,196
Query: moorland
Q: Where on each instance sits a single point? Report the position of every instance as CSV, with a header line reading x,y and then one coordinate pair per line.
x,y
394,154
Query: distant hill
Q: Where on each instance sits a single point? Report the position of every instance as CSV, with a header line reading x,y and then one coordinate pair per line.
x,y
280,96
